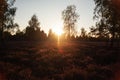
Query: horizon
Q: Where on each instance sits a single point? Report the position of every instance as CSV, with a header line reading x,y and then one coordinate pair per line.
x,y
49,13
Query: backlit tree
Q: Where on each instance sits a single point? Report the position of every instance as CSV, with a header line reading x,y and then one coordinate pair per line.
x,y
7,13
70,17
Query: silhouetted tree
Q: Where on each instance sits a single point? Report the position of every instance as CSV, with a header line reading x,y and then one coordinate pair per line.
x,y
83,33
19,35
13,29
51,36
7,13
107,12
33,28
18,29
70,18
33,31
34,23
50,33
93,32
43,36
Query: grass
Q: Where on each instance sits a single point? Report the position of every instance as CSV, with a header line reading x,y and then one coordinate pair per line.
x,y
66,61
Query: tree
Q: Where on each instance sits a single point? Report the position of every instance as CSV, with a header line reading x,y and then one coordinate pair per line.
x,y
33,31
13,29
100,30
51,35
93,32
34,23
70,18
43,36
107,13
33,28
7,13
83,33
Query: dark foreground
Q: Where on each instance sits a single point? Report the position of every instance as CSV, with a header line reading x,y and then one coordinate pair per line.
x,y
59,61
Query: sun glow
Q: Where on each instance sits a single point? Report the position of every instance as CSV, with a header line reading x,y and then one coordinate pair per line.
x,y
58,30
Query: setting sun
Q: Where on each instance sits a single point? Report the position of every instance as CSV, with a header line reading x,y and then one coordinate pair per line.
x,y
58,30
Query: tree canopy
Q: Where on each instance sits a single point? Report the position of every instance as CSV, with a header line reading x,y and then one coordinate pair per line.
x,y
70,17
7,13
108,21
33,31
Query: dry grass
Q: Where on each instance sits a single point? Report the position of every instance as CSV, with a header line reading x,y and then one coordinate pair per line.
x,y
66,61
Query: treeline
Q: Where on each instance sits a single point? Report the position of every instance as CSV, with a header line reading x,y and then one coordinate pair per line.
x,y
33,32
107,26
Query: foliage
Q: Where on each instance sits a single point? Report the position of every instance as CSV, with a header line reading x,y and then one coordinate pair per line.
x,y
83,33
107,13
33,31
70,17
7,13
33,23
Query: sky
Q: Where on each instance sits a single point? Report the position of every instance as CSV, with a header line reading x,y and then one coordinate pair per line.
x,y
49,13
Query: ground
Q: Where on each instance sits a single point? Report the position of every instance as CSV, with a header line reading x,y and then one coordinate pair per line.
x,y
25,60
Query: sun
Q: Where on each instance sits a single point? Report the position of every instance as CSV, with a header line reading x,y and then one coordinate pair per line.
x,y
58,30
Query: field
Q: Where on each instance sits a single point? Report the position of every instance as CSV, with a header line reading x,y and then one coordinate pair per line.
x,y
59,61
